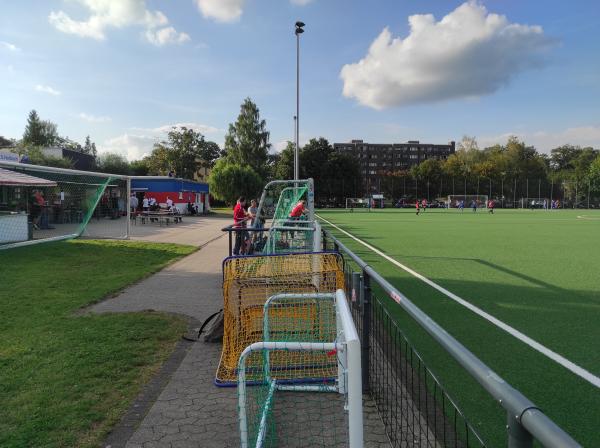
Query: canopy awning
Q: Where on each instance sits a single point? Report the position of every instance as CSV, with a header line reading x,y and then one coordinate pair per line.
x,y
17,179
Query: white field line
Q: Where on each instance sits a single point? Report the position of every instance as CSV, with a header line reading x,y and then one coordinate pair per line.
x,y
577,370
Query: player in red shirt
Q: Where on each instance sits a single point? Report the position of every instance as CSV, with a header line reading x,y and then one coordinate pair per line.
x,y
239,222
295,215
298,210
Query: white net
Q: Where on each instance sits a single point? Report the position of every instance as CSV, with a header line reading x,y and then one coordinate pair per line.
x,y
42,203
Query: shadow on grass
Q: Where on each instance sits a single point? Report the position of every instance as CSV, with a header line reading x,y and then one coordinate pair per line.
x,y
558,392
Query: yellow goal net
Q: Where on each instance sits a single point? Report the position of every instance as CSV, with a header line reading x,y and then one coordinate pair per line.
x,y
248,282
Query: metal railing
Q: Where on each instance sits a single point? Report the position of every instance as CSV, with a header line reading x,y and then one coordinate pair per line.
x,y
415,408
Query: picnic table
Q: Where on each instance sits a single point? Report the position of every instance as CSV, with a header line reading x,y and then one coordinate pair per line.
x,y
161,217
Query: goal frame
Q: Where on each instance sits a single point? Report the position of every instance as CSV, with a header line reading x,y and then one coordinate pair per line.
x,y
362,202
348,382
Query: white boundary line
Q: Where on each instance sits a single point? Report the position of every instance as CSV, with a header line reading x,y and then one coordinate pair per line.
x,y
577,370
588,218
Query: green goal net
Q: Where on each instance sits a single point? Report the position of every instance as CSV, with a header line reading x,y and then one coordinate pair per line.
x,y
45,204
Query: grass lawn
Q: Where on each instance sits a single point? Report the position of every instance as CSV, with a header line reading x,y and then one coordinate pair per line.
x,y
536,271
65,379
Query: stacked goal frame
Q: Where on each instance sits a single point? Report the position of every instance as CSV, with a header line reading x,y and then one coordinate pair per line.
x,y
258,417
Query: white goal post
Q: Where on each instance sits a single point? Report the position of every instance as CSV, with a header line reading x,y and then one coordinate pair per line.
x,y
455,200
258,417
352,203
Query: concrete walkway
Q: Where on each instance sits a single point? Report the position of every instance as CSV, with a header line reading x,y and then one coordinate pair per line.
x,y
189,410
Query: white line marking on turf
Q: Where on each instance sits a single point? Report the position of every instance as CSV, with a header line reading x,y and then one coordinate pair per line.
x,y
589,218
577,370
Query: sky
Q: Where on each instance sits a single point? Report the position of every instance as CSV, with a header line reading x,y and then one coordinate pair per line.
x,y
125,71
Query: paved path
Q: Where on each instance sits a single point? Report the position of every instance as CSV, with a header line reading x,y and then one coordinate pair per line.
x,y
190,411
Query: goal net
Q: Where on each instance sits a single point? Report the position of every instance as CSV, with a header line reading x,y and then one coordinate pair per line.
x,y
468,200
39,203
309,345
247,284
352,203
534,203
286,234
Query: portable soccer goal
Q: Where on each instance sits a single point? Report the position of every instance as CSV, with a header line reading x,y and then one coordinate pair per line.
x,y
43,204
535,203
248,282
287,234
309,346
352,203
467,200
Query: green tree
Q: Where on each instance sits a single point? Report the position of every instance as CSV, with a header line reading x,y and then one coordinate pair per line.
x,y
284,167
4,142
139,167
594,175
561,158
247,140
39,132
87,146
228,181
181,153
112,163
209,153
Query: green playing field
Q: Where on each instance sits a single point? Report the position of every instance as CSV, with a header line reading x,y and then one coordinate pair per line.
x,y
536,271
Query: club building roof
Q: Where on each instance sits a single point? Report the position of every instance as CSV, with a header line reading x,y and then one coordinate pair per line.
x,y
160,184
18,179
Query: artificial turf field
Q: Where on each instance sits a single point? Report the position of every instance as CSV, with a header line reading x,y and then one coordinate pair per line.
x,y
537,271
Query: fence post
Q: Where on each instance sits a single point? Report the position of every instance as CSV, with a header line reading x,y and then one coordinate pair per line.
x,y
518,437
366,331
230,248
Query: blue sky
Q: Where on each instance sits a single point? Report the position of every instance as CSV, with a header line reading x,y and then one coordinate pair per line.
x,y
123,71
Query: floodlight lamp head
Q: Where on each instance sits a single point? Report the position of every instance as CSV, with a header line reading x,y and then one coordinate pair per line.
x,y
300,24
299,31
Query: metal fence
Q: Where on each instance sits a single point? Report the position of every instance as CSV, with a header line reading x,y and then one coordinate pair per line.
x,y
414,407
508,192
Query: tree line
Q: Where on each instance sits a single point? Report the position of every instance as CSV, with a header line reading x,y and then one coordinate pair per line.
x,y
509,172
245,164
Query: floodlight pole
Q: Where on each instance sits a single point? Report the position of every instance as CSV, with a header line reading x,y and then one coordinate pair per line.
x,y
299,30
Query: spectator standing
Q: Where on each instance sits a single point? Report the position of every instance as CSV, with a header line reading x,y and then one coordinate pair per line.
x,y
239,222
133,203
145,204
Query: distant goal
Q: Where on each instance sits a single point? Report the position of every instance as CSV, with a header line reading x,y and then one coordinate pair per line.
x,y
467,200
352,203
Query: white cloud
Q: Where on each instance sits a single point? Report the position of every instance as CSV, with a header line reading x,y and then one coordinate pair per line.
x,y
118,14
202,128
8,46
93,119
279,146
133,147
468,53
301,2
166,35
47,89
544,141
141,141
221,10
